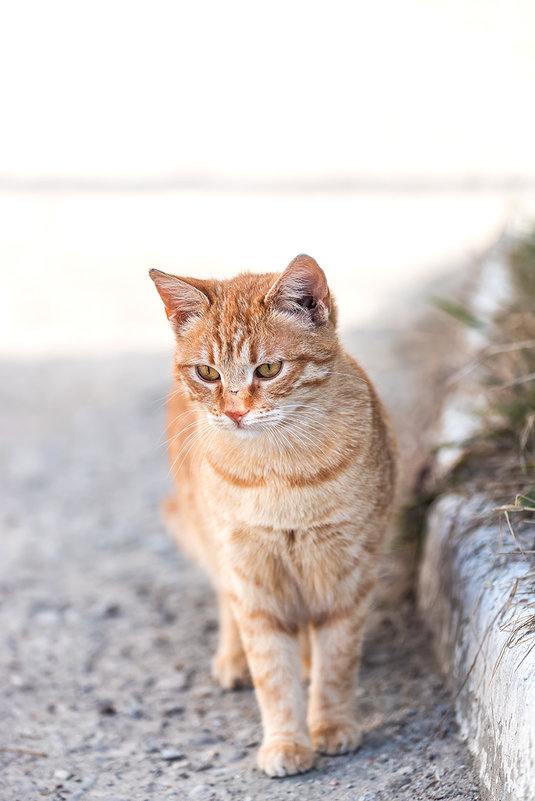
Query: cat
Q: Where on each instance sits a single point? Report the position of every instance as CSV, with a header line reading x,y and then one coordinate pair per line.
x,y
285,465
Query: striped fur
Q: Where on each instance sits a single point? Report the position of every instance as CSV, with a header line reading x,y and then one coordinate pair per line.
x,y
286,508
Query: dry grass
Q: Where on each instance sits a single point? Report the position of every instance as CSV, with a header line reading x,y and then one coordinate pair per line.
x,y
502,455
519,624
500,459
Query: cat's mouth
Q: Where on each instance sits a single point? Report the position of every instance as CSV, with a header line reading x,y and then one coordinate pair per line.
x,y
246,424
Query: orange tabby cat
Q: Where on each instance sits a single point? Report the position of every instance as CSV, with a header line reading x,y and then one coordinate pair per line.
x,y
285,468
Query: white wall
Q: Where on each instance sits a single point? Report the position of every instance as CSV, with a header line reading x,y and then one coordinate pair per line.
x,y
250,97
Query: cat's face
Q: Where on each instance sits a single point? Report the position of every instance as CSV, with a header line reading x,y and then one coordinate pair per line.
x,y
254,351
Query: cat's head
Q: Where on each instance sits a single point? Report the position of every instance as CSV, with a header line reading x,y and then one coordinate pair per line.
x,y
255,350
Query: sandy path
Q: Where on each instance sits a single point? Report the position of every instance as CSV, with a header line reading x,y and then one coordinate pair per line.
x,y
107,632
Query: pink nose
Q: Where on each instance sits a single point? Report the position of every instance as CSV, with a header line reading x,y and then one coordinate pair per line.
x,y
236,416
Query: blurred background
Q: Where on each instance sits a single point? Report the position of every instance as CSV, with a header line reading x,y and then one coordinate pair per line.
x,y
390,140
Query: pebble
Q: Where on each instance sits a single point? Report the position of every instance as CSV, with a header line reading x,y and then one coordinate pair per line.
x,y
175,683
202,692
151,746
71,616
399,781
247,736
203,766
47,617
199,789
61,774
182,764
170,754
174,710
111,610
406,770
107,708
236,756
206,739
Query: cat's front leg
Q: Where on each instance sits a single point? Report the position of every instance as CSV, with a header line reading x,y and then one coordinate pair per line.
x,y
273,655
336,641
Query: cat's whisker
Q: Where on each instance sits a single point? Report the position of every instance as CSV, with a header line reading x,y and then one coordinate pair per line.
x,y
182,414
291,445
192,425
303,408
192,444
172,424
320,415
181,431
276,440
353,376
188,440
191,439
302,432
296,419
277,444
305,444
174,393
309,409
297,429
206,449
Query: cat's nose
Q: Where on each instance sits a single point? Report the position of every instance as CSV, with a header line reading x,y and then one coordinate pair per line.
x,y
237,416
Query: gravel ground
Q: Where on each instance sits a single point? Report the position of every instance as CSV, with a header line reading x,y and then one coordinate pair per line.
x,y
107,633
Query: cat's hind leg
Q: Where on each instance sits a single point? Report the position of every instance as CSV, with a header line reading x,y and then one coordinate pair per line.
x,y
229,665
174,524
304,648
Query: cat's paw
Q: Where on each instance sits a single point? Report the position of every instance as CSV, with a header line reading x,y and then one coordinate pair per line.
x,y
336,738
231,671
285,758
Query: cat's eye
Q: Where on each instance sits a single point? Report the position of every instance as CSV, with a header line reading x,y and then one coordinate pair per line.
x,y
207,373
268,370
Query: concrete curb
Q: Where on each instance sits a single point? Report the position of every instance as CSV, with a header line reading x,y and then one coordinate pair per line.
x,y
465,593
465,586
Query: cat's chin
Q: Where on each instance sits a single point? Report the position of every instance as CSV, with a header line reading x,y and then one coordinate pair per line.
x,y
247,428
251,429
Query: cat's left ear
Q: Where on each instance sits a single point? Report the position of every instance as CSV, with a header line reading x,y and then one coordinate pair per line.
x,y
302,289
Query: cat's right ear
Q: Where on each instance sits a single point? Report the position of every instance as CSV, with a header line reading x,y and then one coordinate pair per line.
x,y
182,301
